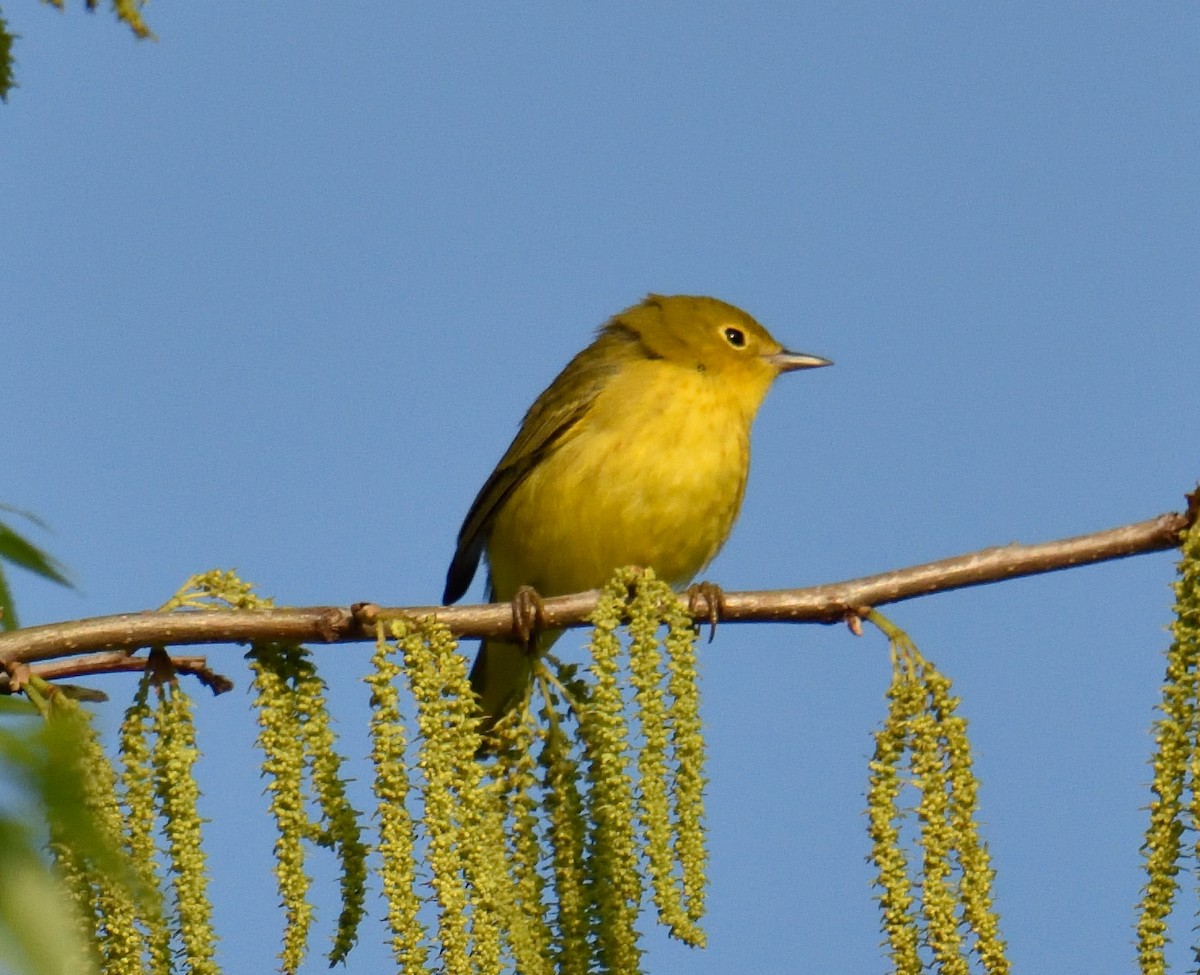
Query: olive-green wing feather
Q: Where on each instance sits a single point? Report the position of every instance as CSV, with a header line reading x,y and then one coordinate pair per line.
x,y
553,420
504,480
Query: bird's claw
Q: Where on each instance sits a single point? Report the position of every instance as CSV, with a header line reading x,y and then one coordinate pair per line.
x,y
707,599
528,615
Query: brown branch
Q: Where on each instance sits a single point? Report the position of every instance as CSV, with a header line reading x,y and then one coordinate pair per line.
x,y
118,661
831,603
112,662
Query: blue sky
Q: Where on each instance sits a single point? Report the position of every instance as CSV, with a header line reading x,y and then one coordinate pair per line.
x,y
278,287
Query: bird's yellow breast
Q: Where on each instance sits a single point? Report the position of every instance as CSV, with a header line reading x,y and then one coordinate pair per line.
x,y
653,475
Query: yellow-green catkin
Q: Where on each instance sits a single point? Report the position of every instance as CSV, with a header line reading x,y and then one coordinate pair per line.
x,y
954,916
688,749
102,881
398,868
286,744
70,852
652,600
178,795
76,878
340,829
612,859
1176,764
654,810
938,897
216,589
977,875
296,737
496,921
441,814
120,939
518,792
567,833
141,819
281,739
469,877
896,899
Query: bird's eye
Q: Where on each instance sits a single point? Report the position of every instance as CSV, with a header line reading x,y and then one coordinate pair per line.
x,y
735,337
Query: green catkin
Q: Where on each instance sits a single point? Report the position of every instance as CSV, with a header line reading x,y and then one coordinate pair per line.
x,y
178,796
64,748
1175,762
956,875
109,899
77,883
529,929
563,806
468,928
398,870
938,898
887,852
687,746
295,736
493,909
645,664
341,830
281,738
119,939
666,732
975,890
141,818
216,589
1194,824
496,920
440,812
612,860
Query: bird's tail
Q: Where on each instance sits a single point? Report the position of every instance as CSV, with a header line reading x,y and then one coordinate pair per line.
x,y
499,677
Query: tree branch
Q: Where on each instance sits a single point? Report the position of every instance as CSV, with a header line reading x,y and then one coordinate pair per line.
x,y
121,635
118,661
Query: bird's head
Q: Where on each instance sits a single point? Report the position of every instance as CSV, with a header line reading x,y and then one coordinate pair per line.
x,y
710,336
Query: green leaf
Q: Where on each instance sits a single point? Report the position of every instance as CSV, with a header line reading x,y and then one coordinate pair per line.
x,y
20,551
38,931
7,82
10,705
23,513
24,553
8,612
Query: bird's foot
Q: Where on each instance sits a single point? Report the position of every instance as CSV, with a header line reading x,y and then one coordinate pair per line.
x,y
528,614
706,599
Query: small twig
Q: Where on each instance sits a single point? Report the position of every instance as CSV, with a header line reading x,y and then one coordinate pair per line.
x,y
120,662
331,624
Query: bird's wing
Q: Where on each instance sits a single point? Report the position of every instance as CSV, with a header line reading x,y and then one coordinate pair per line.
x,y
553,420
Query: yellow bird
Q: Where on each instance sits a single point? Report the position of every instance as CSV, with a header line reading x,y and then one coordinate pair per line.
x,y
637,454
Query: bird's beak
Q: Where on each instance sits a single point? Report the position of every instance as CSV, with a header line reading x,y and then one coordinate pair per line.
x,y
786,361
